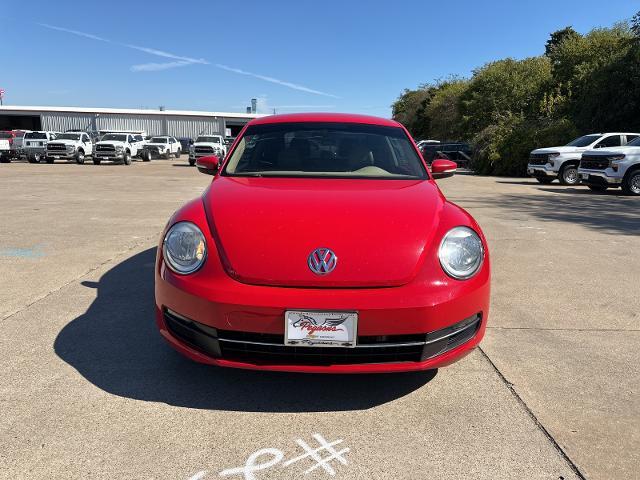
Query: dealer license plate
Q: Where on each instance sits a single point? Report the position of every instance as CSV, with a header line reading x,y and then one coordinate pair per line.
x,y
320,328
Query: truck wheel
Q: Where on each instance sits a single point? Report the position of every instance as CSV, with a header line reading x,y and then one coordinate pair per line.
x,y
178,153
4,159
544,180
631,184
34,158
167,155
192,161
597,188
126,157
80,157
569,175
96,161
145,156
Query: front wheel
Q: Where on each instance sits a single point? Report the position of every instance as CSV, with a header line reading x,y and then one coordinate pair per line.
x,y
34,158
597,188
146,156
192,161
631,184
569,175
544,180
4,159
178,153
126,158
80,157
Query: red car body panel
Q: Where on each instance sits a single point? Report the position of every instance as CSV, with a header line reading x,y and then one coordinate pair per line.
x,y
386,234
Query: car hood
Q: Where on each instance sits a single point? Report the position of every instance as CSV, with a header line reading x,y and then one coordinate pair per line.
x,y
111,142
150,144
64,141
612,151
266,228
562,149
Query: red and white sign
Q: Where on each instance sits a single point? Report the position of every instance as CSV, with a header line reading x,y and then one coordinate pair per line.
x,y
1,92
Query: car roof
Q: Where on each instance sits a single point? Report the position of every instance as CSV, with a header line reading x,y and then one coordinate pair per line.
x,y
324,117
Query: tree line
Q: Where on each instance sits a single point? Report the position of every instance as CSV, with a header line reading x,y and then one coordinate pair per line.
x,y
583,83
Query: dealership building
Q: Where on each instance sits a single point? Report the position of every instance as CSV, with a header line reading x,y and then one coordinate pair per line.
x,y
177,123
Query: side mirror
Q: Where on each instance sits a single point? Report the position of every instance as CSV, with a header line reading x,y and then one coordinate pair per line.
x,y
208,164
441,168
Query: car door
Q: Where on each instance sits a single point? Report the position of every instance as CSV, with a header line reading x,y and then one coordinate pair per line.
x,y
87,145
609,141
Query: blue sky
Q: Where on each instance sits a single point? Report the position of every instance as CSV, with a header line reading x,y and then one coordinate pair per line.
x,y
293,56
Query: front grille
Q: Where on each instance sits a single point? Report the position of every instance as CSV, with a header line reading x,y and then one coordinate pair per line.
x,y
105,148
58,147
269,349
152,149
538,158
204,150
594,162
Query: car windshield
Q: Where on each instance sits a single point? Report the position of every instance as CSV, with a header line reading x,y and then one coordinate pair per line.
x,y
118,137
158,140
6,135
583,141
208,140
36,135
311,149
68,136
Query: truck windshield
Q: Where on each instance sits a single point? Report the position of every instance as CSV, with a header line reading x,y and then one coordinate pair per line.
x,y
68,136
325,150
208,140
583,141
158,140
36,135
6,135
114,137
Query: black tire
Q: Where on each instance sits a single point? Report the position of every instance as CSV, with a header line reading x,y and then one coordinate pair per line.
x,y
96,161
146,156
34,158
5,159
544,180
167,155
569,175
597,188
192,161
49,159
126,157
631,183
178,153
80,156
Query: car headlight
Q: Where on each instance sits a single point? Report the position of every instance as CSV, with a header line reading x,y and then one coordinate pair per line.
x,y
184,248
461,253
119,148
615,161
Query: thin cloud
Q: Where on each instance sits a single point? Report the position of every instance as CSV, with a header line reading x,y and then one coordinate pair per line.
x,y
156,67
293,86
182,61
75,32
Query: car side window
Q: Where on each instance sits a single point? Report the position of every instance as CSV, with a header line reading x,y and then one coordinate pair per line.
x,y
631,137
130,139
171,140
610,141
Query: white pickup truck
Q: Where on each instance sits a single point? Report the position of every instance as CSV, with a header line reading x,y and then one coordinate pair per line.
x,y
70,146
612,168
163,146
547,164
120,147
207,145
5,149
34,144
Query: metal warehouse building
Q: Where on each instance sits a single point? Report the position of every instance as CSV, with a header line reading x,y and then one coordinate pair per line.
x,y
178,123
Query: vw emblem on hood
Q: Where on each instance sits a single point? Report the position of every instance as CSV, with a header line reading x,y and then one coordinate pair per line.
x,y
322,261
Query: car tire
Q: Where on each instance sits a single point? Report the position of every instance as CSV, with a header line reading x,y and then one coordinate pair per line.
x,y
146,156
167,155
96,161
126,158
80,157
544,180
569,175
34,158
631,184
597,188
178,153
5,159
192,161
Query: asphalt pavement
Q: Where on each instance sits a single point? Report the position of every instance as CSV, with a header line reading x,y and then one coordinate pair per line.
x,y
88,389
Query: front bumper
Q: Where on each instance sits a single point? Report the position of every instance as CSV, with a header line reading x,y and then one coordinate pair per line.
x,y
541,171
598,177
62,154
108,155
232,324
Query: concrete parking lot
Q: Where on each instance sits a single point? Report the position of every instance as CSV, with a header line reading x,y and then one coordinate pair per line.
x,y
89,390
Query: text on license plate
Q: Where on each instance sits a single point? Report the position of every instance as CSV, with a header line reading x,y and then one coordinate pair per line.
x,y
320,328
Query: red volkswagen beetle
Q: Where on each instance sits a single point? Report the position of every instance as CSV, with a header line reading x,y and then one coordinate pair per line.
x,y
323,244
